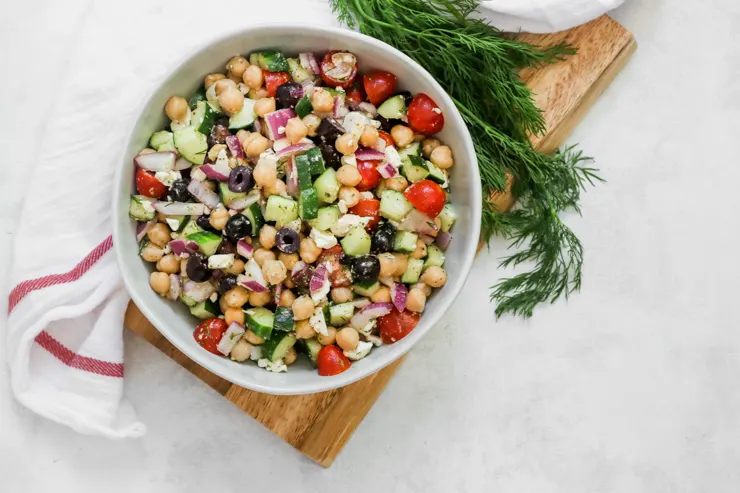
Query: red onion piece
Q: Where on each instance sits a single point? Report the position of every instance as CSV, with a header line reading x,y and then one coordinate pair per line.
x,y
309,62
180,208
215,172
182,164
277,292
340,107
361,303
370,312
175,287
417,222
203,194
276,122
156,161
308,87
198,291
443,240
244,249
299,268
428,240
235,147
291,177
368,108
387,170
142,228
233,333
243,202
399,294
253,279
369,154
259,126
319,278
179,247
291,151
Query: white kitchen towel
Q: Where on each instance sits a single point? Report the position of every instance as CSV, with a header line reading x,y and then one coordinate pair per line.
x,y
544,16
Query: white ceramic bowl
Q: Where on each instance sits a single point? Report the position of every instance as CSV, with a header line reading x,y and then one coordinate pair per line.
x,y
173,319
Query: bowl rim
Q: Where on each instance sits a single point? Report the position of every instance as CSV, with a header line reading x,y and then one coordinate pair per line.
x,y
344,378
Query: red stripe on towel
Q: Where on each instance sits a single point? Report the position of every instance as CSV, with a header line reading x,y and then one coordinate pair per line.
x,y
74,360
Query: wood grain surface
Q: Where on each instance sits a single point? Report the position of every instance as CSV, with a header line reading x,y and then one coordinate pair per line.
x,y
319,425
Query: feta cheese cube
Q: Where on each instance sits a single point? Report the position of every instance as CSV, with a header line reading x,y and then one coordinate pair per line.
x,y
347,222
167,178
174,224
198,175
342,206
318,322
147,205
256,353
363,349
323,240
223,261
392,156
273,366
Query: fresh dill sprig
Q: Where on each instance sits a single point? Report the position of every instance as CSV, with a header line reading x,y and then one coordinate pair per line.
x,y
479,67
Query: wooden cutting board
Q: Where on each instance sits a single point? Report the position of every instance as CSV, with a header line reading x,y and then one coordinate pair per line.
x,y
319,425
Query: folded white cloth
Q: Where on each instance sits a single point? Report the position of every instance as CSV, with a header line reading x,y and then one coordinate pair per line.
x,y
544,16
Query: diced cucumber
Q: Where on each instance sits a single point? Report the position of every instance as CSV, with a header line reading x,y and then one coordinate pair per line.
x,y
260,321
447,218
254,214
245,117
393,205
340,315
203,117
227,196
162,141
280,209
327,186
190,228
200,95
284,319
297,71
393,108
141,209
207,242
435,174
366,288
304,107
278,346
312,349
308,204
205,310
187,300
435,256
192,144
303,168
405,241
254,58
413,149
272,60
326,218
414,169
357,242
413,271
316,161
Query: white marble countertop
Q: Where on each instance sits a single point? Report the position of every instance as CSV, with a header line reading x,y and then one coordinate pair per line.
x,y
631,386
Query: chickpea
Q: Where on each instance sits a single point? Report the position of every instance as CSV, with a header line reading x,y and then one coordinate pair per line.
x,y
419,137
442,157
350,195
416,300
278,189
222,304
231,101
265,173
168,264
286,298
424,288
236,297
382,295
369,136
255,144
348,175
312,123
253,338
303,308
402,263
295,130
341,295
236,268
223,85
232,315
347,144
387,264
274,271
152,253
328,339
262,255
290,356
264,106
397,183
308,251
258,94
214,151
159,234
402,135
235,79
322,101
428,145
219,218
434,276
260,299
267,236
288,259
303,330
253,77
242,135
348,338
212,79
241,351
421,249
288,283
237,65
160,282
177,109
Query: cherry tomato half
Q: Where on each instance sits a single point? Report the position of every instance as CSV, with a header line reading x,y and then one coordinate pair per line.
x,y
368,208
425,117
147,185
370,175
387,138
428,197
379,85
209,333
396,325
354,96
332,361
340,276
273,80
330,72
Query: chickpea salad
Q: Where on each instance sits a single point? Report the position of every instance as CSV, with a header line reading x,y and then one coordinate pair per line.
x,y
297,207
